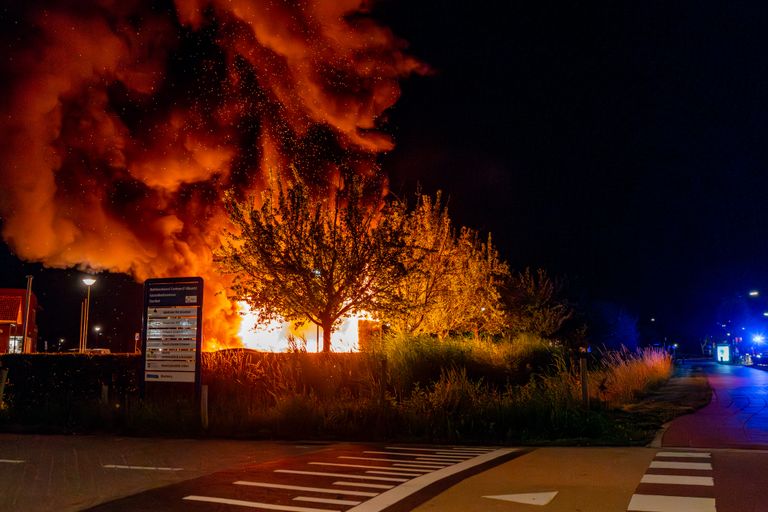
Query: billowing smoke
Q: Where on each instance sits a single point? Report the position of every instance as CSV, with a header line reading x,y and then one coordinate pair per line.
x,y
123,121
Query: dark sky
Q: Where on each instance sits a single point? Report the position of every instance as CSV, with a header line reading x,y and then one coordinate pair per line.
x,y
619,144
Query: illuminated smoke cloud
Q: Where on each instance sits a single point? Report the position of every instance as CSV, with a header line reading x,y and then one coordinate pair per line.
x,y
123,122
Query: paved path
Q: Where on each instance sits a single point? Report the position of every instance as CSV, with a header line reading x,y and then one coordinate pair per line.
x,y
737,416
41,473
341,478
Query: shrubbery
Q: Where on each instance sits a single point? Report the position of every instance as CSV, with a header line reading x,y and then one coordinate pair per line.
x,y
416,388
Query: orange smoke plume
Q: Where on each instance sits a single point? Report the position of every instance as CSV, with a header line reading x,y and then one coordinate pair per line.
x,y
124,121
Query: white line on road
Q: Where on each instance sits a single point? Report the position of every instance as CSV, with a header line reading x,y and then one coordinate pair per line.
x,y
307,489
363,484
411,461
327,501
699,466
400,492
652,503
419,465
336,464
340,475
393,473
456,452
147,468
255,504
677,480
11,461
442,457
692,455
413,449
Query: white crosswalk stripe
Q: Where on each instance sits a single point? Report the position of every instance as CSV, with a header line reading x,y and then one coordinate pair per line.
x,y
367,483
672,483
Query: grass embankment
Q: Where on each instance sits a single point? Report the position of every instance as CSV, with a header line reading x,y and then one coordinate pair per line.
x,y
420,389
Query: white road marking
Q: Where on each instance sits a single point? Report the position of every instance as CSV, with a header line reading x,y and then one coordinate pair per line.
x,y
11,461
652,503
411,461
531,498
692,455
362,484
408,448
307,489
341,475
146,468
418,465
400,492
364,467
393,473
677,480
327,501
698,466
255,504
420,456
441,459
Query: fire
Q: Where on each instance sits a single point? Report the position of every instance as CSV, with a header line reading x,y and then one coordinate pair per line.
x,y
276,336
124,123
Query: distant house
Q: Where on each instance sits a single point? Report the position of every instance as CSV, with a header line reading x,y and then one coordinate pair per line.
x,y
12,311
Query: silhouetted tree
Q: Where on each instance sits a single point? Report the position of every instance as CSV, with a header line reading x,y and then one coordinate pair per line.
x,y
301,257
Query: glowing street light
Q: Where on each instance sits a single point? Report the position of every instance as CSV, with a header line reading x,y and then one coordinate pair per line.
x,y
758,338
87,281
754,293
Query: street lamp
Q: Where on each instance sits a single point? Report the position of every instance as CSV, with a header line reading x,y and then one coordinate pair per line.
x,y
754,293
87,281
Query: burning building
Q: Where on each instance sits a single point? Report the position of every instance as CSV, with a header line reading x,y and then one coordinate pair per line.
x,y
124,121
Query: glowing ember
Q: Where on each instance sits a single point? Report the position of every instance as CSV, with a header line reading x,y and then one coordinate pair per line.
x,y
124,122
276,336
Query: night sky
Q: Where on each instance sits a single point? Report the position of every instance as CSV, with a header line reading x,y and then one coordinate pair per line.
x,y
620,145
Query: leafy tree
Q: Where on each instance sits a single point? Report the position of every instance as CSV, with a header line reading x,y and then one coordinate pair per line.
x,y
534,304
450,282
427,261
301,257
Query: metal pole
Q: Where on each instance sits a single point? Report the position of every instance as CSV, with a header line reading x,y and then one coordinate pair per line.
x,y
26,314
82,319
87,312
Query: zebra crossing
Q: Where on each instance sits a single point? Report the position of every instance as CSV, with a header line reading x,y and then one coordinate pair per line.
x,y
355,481
676,481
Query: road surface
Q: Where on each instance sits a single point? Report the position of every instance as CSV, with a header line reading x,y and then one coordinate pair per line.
x,y
712,460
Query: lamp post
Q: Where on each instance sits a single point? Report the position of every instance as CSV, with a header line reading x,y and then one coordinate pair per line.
x,y
87,281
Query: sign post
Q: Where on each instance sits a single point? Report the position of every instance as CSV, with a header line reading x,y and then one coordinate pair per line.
x,y
172,330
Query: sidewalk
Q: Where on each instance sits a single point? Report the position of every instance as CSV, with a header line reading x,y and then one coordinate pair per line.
x,y
737,416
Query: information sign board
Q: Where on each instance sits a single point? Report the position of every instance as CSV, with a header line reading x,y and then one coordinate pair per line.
x,y
172,329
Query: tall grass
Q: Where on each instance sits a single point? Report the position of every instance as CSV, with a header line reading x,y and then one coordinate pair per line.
x,y
623,375
416,388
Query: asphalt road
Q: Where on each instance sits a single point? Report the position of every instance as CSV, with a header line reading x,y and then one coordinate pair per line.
x,y
712,460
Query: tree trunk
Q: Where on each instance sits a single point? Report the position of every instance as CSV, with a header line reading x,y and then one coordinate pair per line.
x,y
327,329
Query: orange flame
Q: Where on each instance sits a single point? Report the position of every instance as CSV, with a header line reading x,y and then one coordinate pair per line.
x,y
124,123
276,336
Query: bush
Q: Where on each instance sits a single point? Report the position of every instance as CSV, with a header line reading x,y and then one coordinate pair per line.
x,y
418,388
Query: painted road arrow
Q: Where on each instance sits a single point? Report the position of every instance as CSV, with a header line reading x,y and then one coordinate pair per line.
x,y
531,498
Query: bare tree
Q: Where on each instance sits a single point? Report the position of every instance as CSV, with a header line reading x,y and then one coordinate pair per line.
x,y
535,304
